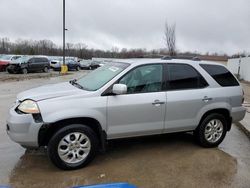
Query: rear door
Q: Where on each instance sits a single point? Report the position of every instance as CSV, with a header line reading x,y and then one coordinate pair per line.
x,y
187,94
142,110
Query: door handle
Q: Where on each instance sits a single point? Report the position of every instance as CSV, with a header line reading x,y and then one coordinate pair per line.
x,y
158,102
206,99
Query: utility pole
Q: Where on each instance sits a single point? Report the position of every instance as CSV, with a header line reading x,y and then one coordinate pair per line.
x,y
63,32
64,67
238,75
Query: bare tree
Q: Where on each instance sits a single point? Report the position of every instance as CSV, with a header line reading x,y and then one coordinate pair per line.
x,y
169,37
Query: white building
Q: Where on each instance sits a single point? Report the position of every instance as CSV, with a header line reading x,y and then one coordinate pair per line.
x,y
243,64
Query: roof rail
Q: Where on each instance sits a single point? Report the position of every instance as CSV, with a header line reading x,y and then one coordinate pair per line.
x,y
168,57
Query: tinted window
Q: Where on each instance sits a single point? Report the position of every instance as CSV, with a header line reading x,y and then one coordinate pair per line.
x,y
221,75
32,60
44,60
143,79
37,60
183,76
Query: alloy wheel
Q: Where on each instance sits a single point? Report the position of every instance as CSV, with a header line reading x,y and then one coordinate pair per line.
x,y
74,147
213,130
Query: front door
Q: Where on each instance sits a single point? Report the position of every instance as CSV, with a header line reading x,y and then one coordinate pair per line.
x,y
142,110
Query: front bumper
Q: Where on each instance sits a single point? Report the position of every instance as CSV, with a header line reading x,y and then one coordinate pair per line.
x,y
14,68
23,129
238,113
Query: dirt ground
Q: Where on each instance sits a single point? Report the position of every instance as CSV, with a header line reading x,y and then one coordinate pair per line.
x,y
172,160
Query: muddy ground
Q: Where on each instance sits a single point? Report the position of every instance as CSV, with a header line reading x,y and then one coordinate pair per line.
x,y
172,160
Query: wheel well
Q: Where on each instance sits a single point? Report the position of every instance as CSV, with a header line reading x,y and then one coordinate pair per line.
x,y
48,130
221,111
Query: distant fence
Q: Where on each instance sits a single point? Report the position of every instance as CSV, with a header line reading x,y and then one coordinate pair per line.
x,y
242,65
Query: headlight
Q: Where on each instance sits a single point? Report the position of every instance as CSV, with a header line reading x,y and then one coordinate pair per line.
x,y
29,107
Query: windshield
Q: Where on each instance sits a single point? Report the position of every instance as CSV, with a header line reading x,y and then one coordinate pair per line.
x,y
99,77
85,62
21,59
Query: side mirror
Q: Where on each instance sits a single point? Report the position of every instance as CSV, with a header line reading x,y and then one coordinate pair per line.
x,y
119,89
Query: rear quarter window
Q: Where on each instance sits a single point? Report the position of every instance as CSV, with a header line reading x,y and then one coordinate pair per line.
x,y
221,75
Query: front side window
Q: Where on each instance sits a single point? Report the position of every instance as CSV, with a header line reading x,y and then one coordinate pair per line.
x,y
183,76
143,79
221,75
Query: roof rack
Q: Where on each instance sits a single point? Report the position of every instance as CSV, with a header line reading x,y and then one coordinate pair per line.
x,y
168,57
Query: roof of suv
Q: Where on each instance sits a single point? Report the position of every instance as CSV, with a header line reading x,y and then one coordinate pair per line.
x,y
142,61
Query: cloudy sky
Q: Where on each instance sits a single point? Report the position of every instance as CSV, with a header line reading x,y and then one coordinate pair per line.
x,y
201,25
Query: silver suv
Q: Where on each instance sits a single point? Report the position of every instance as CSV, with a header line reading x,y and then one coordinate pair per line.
x,y
127,98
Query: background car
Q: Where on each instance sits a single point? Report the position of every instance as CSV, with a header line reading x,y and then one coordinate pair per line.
x,y
55,62
85,64
6,59
29,64
96,64
71,64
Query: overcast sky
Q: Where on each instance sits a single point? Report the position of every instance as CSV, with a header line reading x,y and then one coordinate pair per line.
x,y
201,25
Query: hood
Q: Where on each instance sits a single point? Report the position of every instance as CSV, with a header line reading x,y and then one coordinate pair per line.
x,y
14,63
50,91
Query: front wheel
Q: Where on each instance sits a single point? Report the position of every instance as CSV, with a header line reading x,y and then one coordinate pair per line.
x,y
73,147
25,71
211,131
78,68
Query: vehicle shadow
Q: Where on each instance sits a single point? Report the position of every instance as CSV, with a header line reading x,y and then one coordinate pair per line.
x,y
171,160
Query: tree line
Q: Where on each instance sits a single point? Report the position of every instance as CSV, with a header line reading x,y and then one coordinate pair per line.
x,y
81,50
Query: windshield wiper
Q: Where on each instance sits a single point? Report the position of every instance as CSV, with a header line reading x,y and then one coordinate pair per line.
x,y
74,83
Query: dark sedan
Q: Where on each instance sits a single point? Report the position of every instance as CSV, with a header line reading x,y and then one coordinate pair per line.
x,y
71,64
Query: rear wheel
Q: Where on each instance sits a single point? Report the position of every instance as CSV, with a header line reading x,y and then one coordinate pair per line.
x,y
24,71
46,69
211,131
73,147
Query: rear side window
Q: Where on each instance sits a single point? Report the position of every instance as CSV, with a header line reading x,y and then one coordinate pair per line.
x,y
183,76
37,60
44,60
221,75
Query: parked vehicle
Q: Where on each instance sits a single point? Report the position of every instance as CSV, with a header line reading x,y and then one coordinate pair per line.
x,y
28,64
126,99
96,64
71,64
6,59
85,64
55,62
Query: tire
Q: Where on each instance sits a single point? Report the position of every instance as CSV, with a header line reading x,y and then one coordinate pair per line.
x,y
9,71
46,69
78,68
212,125
25,71
75,152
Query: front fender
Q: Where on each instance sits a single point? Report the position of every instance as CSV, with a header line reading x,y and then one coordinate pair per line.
x,y
54,110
